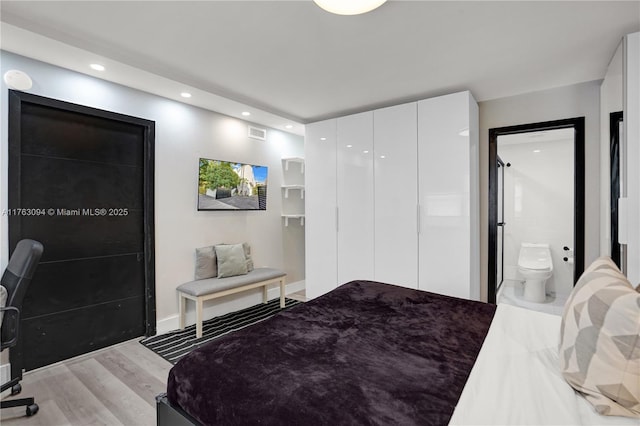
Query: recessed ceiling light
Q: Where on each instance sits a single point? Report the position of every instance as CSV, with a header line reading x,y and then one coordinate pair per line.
x,y
288,126
185,94
382,156
536,150
97,67
349,146
246,113
323,139
365,152
352,7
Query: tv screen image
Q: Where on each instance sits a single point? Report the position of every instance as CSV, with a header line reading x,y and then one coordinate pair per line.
x,y
224,185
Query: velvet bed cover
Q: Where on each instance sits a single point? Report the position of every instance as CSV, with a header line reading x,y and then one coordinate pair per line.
x,y
365,353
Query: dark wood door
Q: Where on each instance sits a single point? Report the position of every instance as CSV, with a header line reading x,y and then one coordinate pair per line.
x,y
81,182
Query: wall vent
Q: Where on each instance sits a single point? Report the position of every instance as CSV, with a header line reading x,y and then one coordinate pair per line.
x,y
257,133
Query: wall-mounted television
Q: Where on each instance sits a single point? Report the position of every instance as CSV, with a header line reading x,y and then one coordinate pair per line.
x,y
225,185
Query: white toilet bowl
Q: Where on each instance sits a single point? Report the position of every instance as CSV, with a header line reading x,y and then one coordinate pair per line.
x,y
535,266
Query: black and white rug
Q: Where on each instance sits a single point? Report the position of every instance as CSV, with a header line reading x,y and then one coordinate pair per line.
x,y
175,344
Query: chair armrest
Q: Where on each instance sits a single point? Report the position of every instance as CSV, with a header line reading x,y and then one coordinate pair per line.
x,y
15,312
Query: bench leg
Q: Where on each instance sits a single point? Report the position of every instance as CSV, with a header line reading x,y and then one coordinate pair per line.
x,y
282,302
265,297
182,302
199,318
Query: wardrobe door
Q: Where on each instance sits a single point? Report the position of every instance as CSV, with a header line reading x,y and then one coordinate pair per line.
x,y
448,159
355,197
396,180
320,208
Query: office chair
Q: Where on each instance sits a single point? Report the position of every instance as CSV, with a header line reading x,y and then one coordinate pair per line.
x,y
15,280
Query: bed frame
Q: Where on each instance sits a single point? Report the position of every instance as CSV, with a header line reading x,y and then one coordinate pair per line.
x,y
168,415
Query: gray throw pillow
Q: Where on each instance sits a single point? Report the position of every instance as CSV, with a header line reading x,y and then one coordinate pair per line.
x,y
206,263
231,260
247,255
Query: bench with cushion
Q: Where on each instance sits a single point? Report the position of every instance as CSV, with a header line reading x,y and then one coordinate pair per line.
x,y
223,281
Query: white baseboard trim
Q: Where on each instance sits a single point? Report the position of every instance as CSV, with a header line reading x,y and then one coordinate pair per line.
x,y
225,305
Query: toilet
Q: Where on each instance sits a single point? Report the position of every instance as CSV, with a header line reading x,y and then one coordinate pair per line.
x,y
535,266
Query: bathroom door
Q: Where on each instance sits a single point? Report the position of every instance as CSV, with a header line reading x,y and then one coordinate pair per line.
x,y
500,226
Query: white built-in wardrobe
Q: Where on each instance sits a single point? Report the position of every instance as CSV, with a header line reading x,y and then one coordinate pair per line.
x,y
392,196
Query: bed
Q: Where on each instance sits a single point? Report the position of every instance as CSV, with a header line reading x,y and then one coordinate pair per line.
x,y
373,353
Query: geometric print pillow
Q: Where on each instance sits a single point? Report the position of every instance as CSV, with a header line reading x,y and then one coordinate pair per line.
x,y
599,347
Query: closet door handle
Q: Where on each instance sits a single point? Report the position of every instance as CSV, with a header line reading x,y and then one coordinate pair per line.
x,y
502,223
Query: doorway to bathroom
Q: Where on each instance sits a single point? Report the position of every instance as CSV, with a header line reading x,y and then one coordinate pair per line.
x,y
536,201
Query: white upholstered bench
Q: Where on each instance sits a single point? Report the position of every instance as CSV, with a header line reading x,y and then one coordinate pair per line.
x,y
211,288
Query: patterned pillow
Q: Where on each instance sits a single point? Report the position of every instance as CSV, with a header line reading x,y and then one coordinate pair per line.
x,y
600,340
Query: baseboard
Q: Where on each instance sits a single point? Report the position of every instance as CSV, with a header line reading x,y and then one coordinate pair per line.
x,y
224,305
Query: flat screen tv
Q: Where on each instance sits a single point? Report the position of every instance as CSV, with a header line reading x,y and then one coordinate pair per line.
x,y
224,185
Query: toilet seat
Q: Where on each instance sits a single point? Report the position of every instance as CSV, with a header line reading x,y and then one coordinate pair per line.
x,y
534,267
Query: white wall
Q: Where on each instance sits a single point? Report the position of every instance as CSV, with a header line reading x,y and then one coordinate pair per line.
x,y
577,100
538,201
632,147
183,134
610,101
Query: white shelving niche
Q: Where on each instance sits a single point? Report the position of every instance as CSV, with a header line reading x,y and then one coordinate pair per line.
x,y
293,182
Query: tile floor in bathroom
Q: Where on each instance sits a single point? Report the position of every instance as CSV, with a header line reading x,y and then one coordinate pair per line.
x,y
512,292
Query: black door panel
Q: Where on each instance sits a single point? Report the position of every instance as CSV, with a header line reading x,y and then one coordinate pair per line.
x,y
86,178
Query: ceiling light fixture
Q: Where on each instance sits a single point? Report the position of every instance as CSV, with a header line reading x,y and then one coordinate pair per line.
x,y
536,150
97,67
18,80
246,113
288,126
185,94
351,7
323,139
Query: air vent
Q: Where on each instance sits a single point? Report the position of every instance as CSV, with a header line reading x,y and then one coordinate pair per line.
x,y
258,133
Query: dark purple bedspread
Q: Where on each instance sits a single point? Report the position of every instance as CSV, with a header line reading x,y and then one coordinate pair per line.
x,y
365,353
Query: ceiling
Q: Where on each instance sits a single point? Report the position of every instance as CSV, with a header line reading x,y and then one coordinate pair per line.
x,y
295,61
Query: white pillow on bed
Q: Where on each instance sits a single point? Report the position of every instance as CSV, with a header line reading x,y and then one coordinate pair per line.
x,y
600,340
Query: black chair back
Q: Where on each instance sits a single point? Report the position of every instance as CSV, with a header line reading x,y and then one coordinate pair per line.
x,y
16,280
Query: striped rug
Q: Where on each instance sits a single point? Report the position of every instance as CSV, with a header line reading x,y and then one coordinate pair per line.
x,y
175,344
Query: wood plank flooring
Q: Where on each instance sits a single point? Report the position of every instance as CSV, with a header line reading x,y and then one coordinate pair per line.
x,y
112,386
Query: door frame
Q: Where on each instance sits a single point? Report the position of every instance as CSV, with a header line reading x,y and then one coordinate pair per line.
x,y
614,181
16,99
577,124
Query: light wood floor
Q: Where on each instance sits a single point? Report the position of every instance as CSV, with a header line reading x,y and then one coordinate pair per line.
x,y
113,386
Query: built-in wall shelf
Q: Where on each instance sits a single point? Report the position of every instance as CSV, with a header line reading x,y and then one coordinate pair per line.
x,y
294,160
293,208
293,216
298,187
